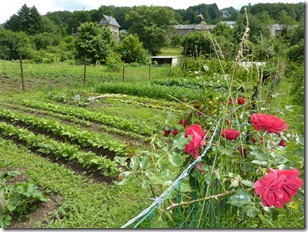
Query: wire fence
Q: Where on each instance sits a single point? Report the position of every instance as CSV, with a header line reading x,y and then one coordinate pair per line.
x,y
198,209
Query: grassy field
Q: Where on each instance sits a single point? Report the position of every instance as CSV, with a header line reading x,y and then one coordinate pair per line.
x,y
82,197
171,51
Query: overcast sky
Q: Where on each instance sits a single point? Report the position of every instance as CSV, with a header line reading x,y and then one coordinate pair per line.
x,y
10,7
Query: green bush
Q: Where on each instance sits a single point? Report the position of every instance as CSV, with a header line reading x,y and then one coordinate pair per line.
x,y
114,62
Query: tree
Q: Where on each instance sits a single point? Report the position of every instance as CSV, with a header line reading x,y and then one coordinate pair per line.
x,y
76,19
132,50
42,40
150,24
210,13
258,28
60,19
176,40
93,44
27,19
229,13
15,45
197,44
296,39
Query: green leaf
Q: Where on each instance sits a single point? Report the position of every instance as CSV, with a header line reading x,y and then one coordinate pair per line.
x,y
241,198
168,175
300,139
263,163
180,141
175,159
274,213
134,162
5,221
30,189
247,183
250,211
228,152
243,192
185,187
144,162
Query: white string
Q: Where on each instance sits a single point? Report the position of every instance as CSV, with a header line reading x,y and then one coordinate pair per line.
x,y
183,175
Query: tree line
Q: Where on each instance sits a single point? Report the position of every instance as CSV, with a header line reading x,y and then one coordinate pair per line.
x,y
48,37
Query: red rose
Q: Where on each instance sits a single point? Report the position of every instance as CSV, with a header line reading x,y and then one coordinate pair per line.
x,y
268,123
230,134
183,122
282,143
197,139
167,132
241,101
175,132
278,187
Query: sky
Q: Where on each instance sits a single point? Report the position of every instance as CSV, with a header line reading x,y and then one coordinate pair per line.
x,y
11,7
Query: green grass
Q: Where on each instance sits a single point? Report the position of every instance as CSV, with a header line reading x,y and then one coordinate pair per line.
x,y
68,72
171,51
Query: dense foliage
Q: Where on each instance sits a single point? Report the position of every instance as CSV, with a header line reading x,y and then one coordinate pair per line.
x,y
50,34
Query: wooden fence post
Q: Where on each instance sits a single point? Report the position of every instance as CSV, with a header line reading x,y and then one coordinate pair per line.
x,y
123,74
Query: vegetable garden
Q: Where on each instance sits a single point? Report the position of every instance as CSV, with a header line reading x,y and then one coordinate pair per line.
x,y
220,148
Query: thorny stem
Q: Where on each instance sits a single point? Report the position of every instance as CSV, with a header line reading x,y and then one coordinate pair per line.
x,y
203,199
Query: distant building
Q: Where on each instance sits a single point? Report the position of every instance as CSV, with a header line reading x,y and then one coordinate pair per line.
x,y
275,29
112,24
182,30
172,60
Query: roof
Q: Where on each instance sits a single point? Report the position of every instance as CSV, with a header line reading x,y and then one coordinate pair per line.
x,y
109,20
193,27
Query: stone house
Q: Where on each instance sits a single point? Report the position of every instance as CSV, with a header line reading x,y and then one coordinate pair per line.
x,y
112,24
183,29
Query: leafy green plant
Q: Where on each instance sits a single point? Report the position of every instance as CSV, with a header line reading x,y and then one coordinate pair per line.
x,y
18,199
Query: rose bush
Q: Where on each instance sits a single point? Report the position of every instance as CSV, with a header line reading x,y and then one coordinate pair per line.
x,y
278,187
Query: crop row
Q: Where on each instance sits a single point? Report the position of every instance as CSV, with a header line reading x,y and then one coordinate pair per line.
x,y
82,137
136,127
150,91
78,121
144,104
47,146
49,113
